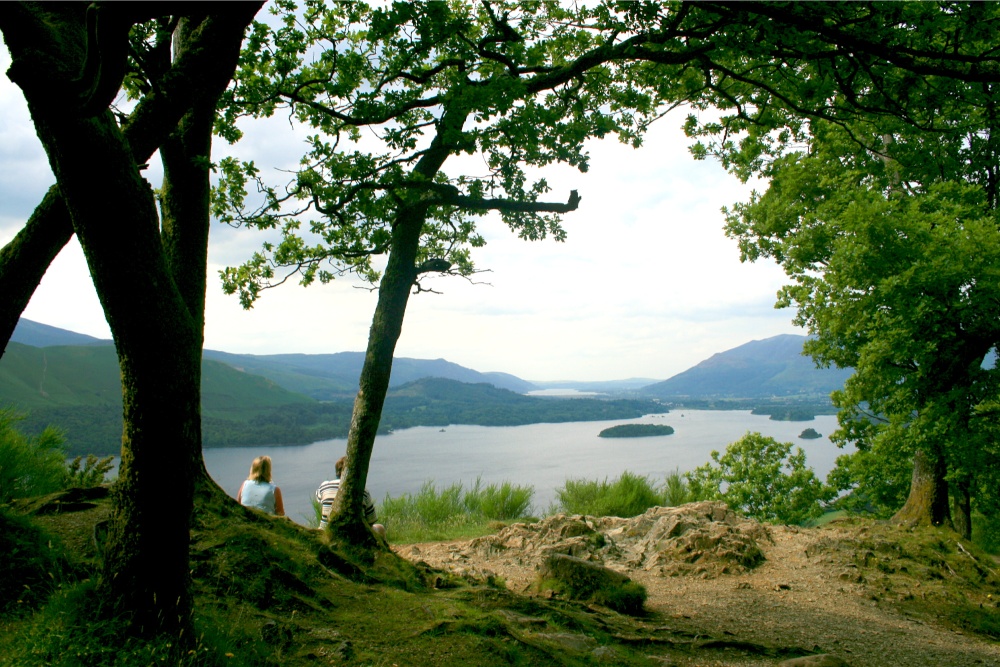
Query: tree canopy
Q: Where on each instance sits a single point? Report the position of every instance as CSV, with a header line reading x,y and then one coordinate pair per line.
x,y
393,94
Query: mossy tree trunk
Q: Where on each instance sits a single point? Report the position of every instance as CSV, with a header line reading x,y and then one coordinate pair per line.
x,y
153,303
927,504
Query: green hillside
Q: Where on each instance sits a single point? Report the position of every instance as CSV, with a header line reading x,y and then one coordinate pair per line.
x,y
78,389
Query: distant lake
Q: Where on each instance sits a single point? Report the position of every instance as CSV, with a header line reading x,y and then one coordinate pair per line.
x,y
540,455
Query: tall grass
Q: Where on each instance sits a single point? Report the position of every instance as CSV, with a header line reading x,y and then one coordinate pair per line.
x,y
453,512
629,495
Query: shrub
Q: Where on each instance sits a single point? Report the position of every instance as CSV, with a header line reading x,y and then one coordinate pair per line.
x,y
629,495
29,466
760,477
86,473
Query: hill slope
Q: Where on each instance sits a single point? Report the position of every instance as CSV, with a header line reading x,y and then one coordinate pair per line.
x,y
78,388
331,376
773,367
37,334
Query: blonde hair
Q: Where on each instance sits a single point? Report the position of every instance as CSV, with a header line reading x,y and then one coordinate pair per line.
x,y
260,469
340,465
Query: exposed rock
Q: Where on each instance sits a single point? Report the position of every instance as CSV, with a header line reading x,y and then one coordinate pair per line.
x,y
704,538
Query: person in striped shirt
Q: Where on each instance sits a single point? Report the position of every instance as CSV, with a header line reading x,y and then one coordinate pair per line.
x,y
327,491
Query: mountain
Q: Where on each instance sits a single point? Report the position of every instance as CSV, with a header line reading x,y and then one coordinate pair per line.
x,y
320,376
37,334
770,368
78,388
598,386
335,376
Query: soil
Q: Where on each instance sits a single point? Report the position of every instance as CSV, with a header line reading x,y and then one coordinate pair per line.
x,y
863,593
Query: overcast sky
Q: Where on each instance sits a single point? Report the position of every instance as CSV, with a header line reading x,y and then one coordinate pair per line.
x,y
646,285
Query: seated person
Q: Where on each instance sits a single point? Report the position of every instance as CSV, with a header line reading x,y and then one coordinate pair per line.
x,y
327,491
258,491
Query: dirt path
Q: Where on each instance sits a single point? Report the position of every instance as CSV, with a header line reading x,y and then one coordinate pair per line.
x,y
812,591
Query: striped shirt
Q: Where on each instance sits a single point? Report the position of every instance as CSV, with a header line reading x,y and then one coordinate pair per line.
x,y
327,491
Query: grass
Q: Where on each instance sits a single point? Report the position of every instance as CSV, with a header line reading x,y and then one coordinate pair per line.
x,y
270,592
453,512
627,496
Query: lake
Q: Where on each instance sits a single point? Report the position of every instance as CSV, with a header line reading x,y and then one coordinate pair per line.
x,y
540,455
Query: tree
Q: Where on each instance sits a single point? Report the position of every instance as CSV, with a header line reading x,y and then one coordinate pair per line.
x,y
520,85
763,479
70,61
523,85
893,253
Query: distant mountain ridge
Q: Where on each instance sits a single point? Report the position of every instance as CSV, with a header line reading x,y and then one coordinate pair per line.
x,y
37,334
323,377
769,368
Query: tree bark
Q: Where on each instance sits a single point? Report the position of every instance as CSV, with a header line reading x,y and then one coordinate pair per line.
x,y
927,504
961,511
346,520
156,322
26,258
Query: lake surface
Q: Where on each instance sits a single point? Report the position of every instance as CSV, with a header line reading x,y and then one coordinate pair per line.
x,y
540,455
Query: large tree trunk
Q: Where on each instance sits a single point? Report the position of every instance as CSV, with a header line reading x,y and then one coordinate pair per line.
x,y
156,323
387,323
927,504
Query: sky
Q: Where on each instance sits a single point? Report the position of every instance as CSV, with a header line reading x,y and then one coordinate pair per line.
x,y
645,286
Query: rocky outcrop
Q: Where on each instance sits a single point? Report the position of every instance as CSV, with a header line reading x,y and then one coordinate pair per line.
x,y
704,539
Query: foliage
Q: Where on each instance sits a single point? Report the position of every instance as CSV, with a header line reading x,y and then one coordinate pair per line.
x,y
892,249
29,466
453,512
810,434
628,495
84,474
763,479
636,431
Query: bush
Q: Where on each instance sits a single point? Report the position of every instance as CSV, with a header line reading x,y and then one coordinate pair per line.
x,y
760,477
29,466
86,473
629,495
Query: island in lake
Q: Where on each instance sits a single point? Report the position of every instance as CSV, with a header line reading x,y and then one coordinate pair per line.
x,y
636,431
810,434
